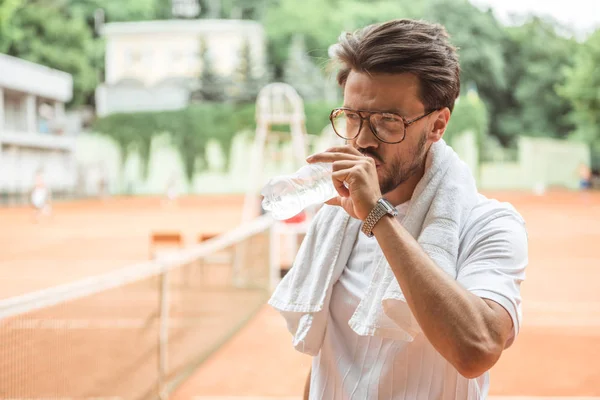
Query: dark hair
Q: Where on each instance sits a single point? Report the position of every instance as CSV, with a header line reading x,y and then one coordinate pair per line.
x,y
405,46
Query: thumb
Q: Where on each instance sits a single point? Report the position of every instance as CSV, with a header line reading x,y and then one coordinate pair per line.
x,y
336,201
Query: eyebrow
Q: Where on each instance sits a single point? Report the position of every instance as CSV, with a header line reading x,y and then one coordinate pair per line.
x,y
389,110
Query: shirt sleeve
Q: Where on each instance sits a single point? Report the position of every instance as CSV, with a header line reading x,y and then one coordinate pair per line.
x,y
495,265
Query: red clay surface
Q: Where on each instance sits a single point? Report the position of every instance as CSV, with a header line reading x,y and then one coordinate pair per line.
x,y
556,354
90,237
106,345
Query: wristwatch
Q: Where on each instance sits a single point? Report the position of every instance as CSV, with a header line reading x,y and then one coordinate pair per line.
x,y
382,207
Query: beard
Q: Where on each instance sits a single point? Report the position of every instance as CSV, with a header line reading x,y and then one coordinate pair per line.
x,y
398,171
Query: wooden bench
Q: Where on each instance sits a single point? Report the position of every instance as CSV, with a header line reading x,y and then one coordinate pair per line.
x,y
165,240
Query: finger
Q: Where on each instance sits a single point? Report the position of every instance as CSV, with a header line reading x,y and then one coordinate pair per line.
x,y
332,157
336,201
364,166
344,149
345,164
339,182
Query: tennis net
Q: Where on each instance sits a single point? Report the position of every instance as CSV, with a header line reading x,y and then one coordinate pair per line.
x,y
138,332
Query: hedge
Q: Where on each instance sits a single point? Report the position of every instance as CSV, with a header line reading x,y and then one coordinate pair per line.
x,y
193,127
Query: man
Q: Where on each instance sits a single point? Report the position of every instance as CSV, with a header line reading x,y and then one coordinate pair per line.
x,y
407,285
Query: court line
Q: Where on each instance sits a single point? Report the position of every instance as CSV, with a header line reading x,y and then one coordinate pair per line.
x,y
245,398
489,398
542,398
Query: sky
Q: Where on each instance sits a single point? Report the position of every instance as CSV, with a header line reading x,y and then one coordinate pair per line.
x,y
582,16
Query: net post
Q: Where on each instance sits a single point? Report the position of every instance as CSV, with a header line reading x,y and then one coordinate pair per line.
x,y
163,335
274,257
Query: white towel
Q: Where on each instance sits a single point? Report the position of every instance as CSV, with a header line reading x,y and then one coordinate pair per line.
x,y
438,210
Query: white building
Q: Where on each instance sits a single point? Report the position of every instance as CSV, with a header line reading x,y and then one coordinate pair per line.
x,y
150,65
32,127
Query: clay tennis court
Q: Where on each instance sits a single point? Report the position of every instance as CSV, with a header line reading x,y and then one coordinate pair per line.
x,y
106,344
557,353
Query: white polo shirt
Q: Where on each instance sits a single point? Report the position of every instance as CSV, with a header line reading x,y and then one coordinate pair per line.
x,y
492,260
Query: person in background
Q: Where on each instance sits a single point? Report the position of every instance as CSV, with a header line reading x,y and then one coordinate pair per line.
x,y
172,191
41,197
45,118
585,177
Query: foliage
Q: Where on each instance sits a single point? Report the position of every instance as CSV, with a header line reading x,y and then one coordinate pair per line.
x,y
317,116
320,22
244,9
114,10
516,71
479,42
212,86
537,56
582,81
470,114
162,9
7,10
480,48
191,128
60,35
246,81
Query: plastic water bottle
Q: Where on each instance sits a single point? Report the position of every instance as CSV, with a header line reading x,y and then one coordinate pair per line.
x,y
286,196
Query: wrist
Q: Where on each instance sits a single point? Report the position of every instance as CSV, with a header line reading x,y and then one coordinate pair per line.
x,y
370,206
381,209
383,224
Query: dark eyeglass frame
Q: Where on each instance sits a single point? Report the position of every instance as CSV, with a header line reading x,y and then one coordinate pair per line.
x,y
406,122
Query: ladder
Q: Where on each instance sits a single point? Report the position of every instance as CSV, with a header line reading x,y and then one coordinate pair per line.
x,y
278,104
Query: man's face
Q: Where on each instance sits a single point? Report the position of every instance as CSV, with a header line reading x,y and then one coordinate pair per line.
x,y
396,163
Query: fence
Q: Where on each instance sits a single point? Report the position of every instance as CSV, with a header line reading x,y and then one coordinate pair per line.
x,y
138,332
536,162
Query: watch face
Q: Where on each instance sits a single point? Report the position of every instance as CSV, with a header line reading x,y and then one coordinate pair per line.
x,y
389,207
386,203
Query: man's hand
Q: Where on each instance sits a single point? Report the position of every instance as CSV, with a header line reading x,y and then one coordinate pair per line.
x,y
354,177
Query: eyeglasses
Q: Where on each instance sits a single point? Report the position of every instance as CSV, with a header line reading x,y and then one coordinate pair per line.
x,y
386,126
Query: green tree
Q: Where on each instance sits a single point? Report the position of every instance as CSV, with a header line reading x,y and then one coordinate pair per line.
x,y
470,114
7,10
582,81
537,56
212,86
116,10
162,9
246,80
244,9
320,22
479,42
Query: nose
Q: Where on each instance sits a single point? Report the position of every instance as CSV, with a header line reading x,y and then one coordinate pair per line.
x,y
366,137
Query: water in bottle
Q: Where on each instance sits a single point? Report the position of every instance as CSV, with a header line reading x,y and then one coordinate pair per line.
x,y
286,196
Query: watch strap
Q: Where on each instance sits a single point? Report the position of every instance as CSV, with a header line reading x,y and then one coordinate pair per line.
x,y
382,208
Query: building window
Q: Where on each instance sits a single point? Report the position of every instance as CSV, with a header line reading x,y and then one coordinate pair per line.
x,y
15,113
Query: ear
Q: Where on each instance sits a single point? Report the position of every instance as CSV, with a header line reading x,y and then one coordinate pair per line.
x,y
439,124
